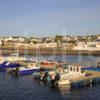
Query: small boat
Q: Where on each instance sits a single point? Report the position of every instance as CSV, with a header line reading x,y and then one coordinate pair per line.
x,y
10,62
32,67
33,59
14,57
65,75
48,64
3,65
7,65
29,69
72,72
40,73
58,80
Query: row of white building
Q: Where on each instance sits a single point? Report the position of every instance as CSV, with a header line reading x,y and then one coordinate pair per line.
x,y
87,46
78,45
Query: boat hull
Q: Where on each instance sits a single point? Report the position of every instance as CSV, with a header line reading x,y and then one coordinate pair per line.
x,y
64,82
26,72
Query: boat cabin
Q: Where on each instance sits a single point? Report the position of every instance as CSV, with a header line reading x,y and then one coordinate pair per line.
x,y
32,65
73,71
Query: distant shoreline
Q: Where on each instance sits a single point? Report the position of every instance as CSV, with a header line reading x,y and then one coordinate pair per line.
x,y
48,51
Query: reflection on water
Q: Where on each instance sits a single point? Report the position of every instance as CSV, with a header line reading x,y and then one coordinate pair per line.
x,y
83,93
64,89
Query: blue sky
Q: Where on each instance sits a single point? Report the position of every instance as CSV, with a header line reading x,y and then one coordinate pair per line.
x,y
49,17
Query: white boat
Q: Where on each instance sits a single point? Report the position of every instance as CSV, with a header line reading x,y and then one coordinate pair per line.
x,y
72,72
29,69
14,57
33,59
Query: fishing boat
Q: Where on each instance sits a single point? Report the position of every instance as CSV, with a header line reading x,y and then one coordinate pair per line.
x,y
72,72
51,76
62,76
68,74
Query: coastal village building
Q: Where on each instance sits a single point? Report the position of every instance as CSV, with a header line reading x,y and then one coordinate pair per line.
x,y
87,46
32,45
8,39
50,45
81,44
67,42
0,42
20,39
98,45
99,37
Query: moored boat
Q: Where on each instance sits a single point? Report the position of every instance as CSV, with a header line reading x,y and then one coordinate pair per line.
x,y
48,64
8,65
14,57
29,69
94,68
32,67
72,72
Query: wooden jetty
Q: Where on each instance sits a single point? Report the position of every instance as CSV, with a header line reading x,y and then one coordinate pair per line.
x,y
91,76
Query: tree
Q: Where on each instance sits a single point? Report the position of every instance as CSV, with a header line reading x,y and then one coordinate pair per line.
x,y
58,40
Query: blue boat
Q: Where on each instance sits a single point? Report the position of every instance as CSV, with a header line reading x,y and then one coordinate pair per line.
x,y
24,70
3,66
94,68
6,64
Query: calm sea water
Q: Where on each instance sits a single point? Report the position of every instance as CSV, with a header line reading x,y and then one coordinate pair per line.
x,y
25,88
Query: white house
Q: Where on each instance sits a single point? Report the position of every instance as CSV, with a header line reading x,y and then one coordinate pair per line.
x,y
99,37
8,39
0,42
50,45
21,39
98,45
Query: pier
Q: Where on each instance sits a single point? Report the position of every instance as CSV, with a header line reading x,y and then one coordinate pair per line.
x,y
91,77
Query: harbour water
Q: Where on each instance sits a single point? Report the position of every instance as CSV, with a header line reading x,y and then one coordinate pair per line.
x,y
25,88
